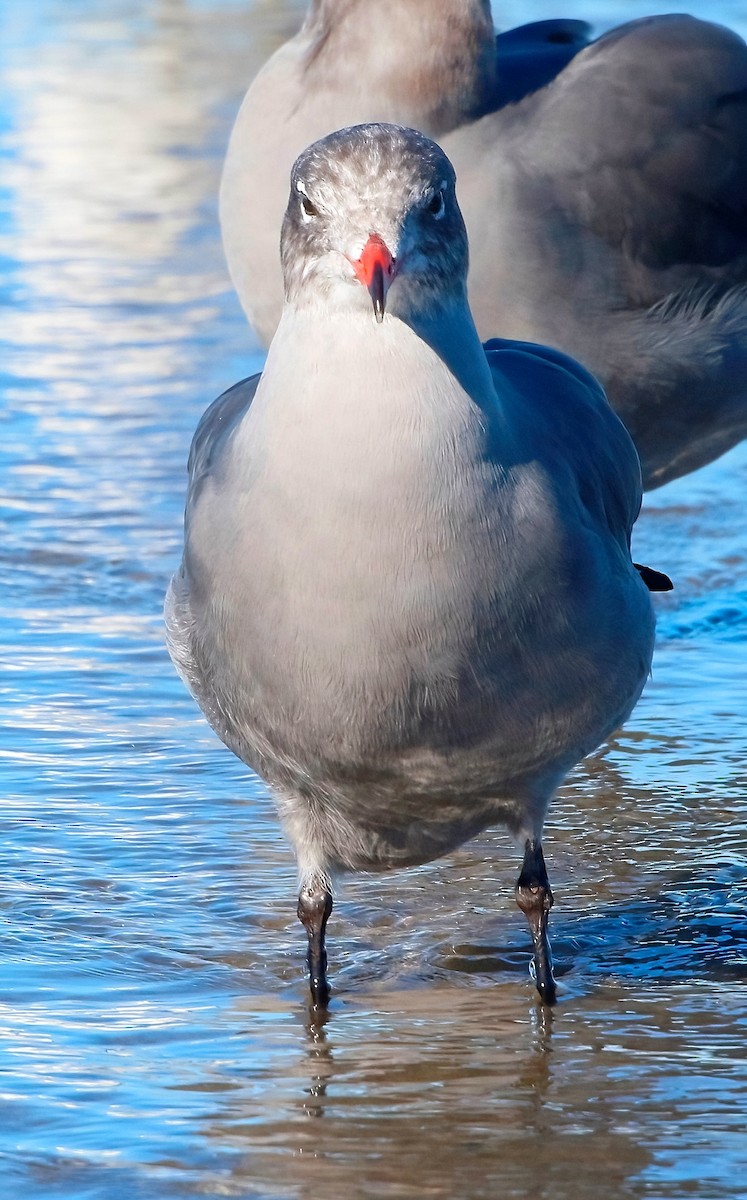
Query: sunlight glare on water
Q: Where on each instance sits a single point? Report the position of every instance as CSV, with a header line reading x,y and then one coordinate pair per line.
x,y
153,1030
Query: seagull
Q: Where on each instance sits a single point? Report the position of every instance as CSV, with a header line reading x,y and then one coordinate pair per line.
x,y
406,598
605,209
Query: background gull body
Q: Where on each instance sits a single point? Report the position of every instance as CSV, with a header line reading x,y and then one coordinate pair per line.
x,y
605,210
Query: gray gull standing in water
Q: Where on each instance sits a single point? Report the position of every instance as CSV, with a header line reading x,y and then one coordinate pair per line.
x,y
606,211
406,598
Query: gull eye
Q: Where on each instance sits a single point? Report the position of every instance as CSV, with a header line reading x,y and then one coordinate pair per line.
x,y
309,210
436,206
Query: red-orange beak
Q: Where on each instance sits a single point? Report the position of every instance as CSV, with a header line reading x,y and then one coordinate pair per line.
x,y
376,269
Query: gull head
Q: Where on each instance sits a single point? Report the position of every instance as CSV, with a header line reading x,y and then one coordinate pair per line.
x,y
373,224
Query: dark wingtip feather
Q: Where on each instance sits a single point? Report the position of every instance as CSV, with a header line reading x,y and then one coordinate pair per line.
x,y
655,581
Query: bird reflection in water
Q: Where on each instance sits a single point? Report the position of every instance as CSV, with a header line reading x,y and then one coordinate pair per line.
x,y
320,1060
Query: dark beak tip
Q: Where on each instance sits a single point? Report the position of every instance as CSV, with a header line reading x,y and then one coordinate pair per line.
x,y
377,291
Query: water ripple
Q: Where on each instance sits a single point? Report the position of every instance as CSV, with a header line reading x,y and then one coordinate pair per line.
x,y
154,1040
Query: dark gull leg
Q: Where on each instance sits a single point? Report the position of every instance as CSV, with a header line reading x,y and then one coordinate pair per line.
x,y
314,907
534,898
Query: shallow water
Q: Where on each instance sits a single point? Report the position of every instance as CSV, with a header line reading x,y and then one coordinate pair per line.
x,y
153,1031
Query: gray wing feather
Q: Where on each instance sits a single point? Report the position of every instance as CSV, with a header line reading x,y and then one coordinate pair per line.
x,y
529,56
646,132
218,420
215,426
567,415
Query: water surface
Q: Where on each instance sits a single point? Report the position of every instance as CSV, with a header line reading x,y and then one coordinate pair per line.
x,y
155,1040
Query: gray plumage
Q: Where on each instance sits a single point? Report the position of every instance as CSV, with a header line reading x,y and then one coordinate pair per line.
x,y
406,597
606,211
